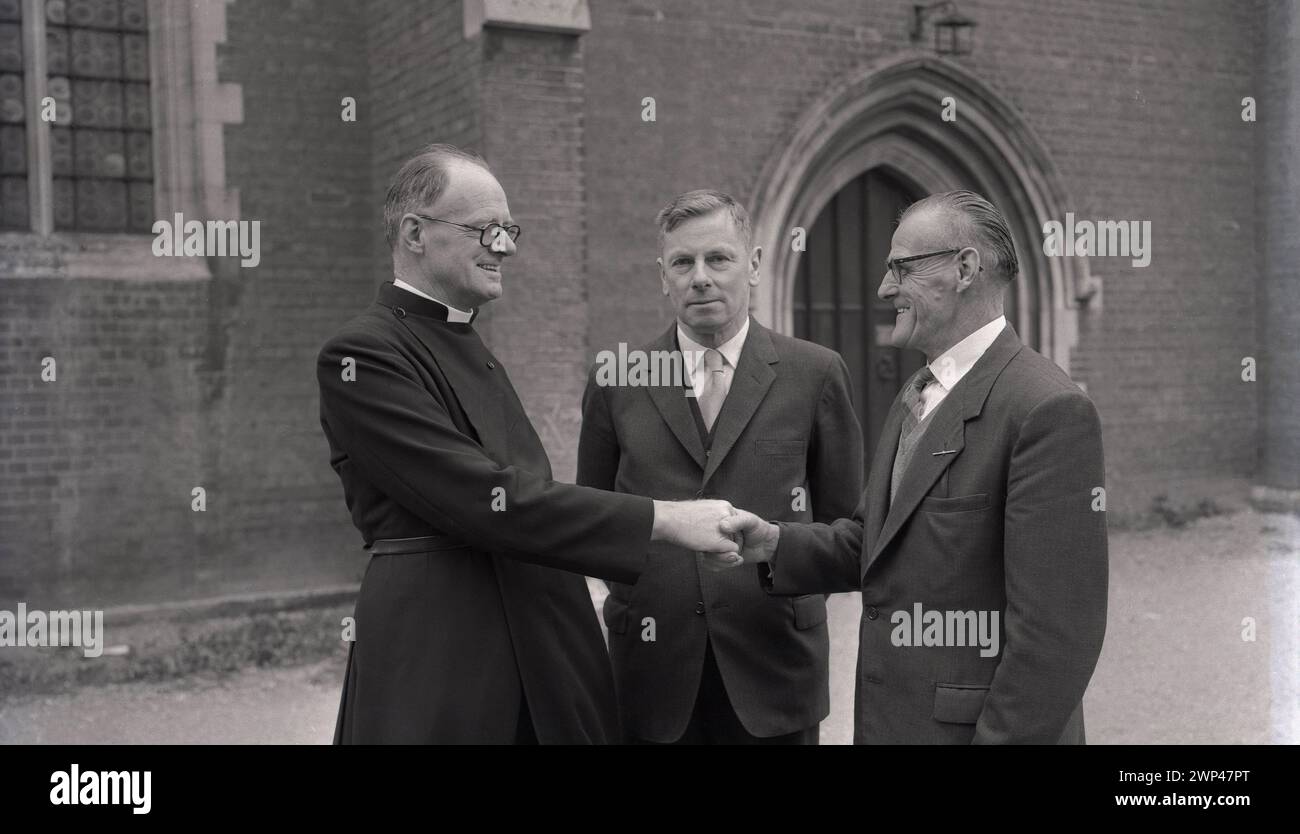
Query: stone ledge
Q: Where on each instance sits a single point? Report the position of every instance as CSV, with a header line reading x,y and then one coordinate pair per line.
x,y
1273,499
568,17
114,257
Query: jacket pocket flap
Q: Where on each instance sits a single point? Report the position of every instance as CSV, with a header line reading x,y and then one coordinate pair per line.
x,y
960,504
959,704
780,447
809,610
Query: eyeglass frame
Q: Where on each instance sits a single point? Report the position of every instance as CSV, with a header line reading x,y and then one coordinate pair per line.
x,y
482,230
892,265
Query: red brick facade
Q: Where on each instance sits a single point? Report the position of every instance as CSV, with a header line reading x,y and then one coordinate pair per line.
x,y
167,385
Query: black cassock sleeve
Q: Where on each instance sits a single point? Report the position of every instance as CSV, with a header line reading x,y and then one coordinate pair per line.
x,y
401,438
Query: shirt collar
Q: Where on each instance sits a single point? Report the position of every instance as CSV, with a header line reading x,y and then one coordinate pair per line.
x,y
953,363
453,314
693,351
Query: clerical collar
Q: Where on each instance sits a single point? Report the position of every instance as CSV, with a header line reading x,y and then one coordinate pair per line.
x,y
404,302
453,314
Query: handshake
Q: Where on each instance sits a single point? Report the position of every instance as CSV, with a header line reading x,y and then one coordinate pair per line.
x,y
725,535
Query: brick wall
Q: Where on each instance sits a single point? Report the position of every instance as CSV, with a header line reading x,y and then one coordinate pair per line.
x,y
167,385
532,116
424,87
96,467
164,386
1139,106
1278,169
278,521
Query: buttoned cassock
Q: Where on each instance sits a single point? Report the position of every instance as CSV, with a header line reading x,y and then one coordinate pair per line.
x,y
457,641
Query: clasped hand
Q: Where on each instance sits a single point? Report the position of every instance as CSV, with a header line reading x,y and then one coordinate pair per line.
x,y
724,535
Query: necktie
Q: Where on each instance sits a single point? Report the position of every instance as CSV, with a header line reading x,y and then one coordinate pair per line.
x,y
911,419
912,400
715,387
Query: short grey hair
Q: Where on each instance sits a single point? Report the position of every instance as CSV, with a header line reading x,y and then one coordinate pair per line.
x,y
697,204
420,182
976,223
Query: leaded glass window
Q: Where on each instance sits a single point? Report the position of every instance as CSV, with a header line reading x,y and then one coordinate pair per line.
x,y
14,212
99,145
98,74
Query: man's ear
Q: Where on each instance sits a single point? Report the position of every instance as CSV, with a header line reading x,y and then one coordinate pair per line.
x,y
409,235
968,265
663,278
755,259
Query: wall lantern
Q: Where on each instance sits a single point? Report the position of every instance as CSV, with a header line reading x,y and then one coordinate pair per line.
x,y
952,31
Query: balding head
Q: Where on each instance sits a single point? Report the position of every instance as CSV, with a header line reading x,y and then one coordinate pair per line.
x,y
421,181
438,208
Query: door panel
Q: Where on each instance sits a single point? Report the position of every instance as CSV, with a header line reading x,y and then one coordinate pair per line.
x,y
835,301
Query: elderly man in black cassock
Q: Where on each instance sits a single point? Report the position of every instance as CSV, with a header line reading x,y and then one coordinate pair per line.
x,y
473,623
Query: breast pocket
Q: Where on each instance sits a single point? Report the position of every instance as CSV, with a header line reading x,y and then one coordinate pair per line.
x,y
960,504
794,448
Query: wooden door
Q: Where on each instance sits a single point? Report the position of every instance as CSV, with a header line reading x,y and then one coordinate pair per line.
x,y
835,301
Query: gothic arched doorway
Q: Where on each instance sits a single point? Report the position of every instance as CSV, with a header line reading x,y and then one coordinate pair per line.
x,y
871,144
834,300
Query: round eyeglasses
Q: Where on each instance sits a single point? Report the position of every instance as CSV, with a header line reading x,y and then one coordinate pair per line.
x,y
487,235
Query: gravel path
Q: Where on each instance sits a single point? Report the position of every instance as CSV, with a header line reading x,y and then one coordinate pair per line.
x,y
1175,667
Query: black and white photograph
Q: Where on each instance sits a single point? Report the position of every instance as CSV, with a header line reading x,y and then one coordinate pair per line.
x,y
650,373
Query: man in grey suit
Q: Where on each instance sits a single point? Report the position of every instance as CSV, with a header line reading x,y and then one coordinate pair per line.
x,y
758,418
979,546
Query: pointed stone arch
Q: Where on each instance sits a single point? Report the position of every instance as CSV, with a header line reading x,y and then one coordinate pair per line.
x,y
887,115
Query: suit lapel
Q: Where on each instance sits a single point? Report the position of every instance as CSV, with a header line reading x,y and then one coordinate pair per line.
x,y
670,400
946,433
749,384
882,466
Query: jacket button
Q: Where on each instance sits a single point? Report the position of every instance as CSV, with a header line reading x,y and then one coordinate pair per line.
x,y
699,608
491,365
399,312
872,613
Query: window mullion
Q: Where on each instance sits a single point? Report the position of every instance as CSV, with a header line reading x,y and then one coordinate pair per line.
x,y
40,169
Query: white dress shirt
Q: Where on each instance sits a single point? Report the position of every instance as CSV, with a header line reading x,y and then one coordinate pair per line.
x,y
452,313
953,364
693,355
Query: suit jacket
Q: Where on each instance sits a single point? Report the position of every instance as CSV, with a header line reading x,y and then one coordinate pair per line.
x,y
1002,521
787,424
430,439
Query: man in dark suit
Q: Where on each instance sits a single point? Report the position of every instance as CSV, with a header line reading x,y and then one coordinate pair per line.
x,y
702,656
465,631
979,546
